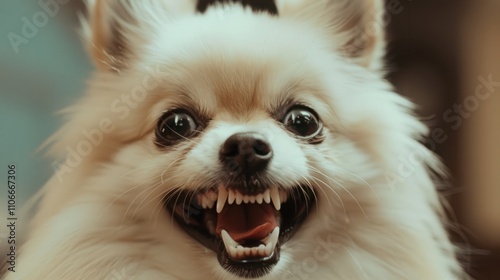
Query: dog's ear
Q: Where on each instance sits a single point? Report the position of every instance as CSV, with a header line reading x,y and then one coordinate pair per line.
x,y
355,27
114,29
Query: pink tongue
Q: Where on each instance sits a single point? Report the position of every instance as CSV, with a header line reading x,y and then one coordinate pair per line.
x,y
247,221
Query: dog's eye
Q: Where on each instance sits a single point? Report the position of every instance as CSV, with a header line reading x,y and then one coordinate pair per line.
x,y
302,122
175,126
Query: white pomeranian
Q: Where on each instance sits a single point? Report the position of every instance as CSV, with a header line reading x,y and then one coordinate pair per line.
x,y
235,140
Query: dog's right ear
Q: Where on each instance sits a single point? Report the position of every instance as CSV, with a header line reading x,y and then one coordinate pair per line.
x,y
114,29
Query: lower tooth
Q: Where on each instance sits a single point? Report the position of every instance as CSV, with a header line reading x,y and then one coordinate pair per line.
x,y
254,251
233,252
228,241
240,251
268,249
272,240
261,249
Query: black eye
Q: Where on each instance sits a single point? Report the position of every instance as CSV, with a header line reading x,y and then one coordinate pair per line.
x,y
302,122
175,126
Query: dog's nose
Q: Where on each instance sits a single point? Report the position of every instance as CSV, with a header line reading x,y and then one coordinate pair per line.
x,y
248,153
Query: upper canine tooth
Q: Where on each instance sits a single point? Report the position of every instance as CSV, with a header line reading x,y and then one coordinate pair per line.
x,y
221,200
231,196
275,197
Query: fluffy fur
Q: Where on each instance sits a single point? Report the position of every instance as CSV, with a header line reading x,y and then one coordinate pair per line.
x,y
377,215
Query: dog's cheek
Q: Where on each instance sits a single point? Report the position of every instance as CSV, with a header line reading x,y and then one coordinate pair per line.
x,y
142,162
289,164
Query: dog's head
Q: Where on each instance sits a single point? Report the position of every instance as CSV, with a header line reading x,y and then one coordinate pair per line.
x,y
254,131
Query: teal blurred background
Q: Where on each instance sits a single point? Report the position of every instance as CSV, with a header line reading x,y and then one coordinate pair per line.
x,y
40,74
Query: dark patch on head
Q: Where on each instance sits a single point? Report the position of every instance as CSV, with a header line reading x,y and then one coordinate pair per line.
x,y
256,5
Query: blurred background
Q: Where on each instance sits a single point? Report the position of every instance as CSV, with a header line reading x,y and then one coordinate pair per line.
x,y
443,54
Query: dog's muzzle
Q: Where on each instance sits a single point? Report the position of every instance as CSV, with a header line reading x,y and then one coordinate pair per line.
x,y
243,219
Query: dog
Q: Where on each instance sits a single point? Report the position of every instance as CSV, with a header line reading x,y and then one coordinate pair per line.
x,y
237,140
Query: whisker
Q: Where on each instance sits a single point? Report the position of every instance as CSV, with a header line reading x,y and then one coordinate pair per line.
x,y
358,177
344,188
132,202
316,179
123,193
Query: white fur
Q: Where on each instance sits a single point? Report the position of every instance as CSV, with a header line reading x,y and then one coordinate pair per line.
x,y
104,218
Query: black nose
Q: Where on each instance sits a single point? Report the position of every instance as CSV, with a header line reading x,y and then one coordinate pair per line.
x,y
248,153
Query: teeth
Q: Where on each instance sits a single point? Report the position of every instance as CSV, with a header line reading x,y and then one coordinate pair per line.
x,y
228,242
231,196
272,240
240,251
206,202
267,198
274,235
207,199
210,198
211,203
212,195
275,197
239,198
232,251
259,198
221,200
237,251
261,249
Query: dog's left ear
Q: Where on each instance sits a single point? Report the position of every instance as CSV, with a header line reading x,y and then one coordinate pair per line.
x,y
355,27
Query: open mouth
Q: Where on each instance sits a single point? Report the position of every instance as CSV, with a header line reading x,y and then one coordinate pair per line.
x,y
245,230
